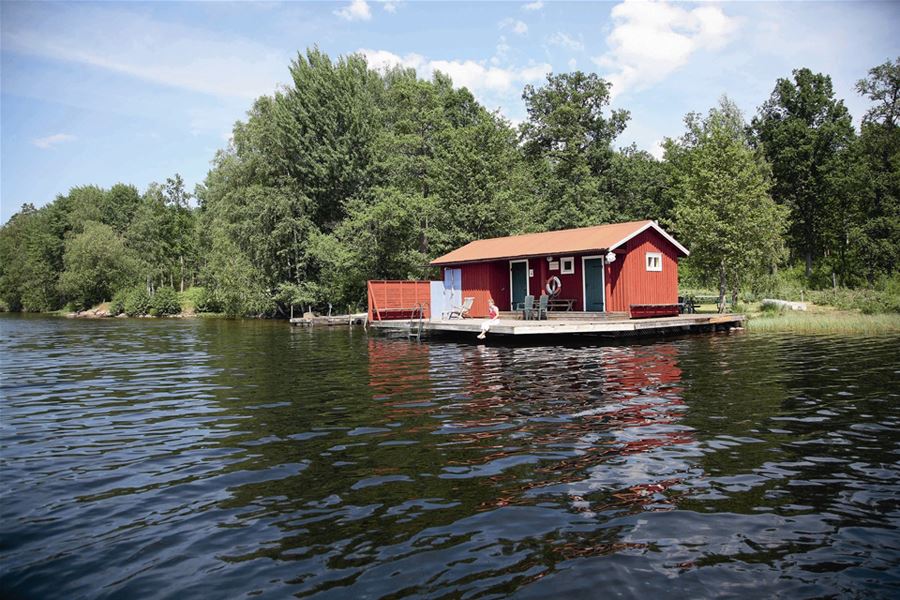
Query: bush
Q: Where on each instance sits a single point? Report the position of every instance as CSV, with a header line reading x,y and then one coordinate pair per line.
x,y
189,297
771,309
137,302
200,299
206,302
889,285
117,304
165,302
868,301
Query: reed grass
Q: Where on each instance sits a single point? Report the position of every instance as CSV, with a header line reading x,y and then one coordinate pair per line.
x,y
825,322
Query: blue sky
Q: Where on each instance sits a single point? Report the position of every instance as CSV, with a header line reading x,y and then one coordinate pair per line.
x,y
135,92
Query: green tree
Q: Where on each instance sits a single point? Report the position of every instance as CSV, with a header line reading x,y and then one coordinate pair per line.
x,y
180,221
568,143
148,236
877,234
237,287
119,205
349,174
300,158
97,264
80,205
723,210
317,134
31,249
806,134
479,183
637,186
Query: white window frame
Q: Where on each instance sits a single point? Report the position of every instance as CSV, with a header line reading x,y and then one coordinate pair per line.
x,y
563,270
658,257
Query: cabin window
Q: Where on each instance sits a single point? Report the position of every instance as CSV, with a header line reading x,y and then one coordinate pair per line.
x,y
654,261
567,265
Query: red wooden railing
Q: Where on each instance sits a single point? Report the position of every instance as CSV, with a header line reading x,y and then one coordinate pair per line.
x,y
398,299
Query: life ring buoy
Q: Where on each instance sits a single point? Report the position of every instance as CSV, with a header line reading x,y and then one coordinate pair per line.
x,y
553,286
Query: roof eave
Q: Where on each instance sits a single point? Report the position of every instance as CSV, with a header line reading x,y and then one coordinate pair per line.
x,y
659,230
440,263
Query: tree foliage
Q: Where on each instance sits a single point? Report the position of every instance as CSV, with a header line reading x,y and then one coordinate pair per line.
x,y
568,143
806,135
723,209
96,263
348,174
876,230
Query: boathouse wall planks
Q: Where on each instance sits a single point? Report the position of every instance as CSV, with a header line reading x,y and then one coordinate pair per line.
x,y
397,299
483,281
627,279
629,282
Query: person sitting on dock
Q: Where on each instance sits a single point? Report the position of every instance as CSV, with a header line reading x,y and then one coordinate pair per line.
x,y
493,317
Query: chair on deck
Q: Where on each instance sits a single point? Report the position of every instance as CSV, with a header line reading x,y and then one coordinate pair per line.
x,y
541,311
527,308
461,312
686,305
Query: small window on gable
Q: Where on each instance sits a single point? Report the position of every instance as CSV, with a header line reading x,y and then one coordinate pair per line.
x,y
654,261
567,265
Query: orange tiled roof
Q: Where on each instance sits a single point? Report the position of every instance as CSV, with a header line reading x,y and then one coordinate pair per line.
x,y
565,241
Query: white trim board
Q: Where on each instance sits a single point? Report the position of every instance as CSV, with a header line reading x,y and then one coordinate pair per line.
x,y
659,230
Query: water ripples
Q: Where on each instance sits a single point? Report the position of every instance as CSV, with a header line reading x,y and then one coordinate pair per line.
x,y
215,458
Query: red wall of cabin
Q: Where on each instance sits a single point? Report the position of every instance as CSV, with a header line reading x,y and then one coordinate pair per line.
x,y
483,281
629,282
627,279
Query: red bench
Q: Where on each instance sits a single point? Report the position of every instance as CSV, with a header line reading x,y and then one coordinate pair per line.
x,y
386,314
647,311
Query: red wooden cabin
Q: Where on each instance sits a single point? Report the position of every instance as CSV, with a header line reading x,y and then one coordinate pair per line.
x,y
622,267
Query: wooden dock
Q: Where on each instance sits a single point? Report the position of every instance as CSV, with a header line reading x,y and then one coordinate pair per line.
x,y
560,326
334,320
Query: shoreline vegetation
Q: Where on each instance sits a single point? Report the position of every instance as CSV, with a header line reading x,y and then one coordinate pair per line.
x,y
351,173
826,322
817,319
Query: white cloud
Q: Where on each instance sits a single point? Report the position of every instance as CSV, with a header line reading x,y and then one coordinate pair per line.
x,y
565,40
134,44
573,63
537,5
650,40
389,5
382,60
475,75
50,141
357,10
518,27
502,51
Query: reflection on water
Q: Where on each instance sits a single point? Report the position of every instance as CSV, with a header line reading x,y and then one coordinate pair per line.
x,y
220,459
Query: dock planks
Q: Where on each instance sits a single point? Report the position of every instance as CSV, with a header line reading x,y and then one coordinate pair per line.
x,y
581,326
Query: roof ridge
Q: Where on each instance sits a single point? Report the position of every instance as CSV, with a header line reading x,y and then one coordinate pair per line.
x,y
521,235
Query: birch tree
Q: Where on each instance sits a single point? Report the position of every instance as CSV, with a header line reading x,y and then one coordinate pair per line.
x,y
723,209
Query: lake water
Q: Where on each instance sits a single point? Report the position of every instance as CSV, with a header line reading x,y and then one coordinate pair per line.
x,y
214,459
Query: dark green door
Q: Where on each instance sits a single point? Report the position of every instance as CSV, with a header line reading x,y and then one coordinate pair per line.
x,y
518,282
593,284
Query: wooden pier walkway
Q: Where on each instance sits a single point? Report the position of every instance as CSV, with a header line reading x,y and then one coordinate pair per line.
x,y
354,319
582,325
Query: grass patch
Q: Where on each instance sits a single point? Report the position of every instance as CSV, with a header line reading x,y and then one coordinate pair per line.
x,y
825,322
